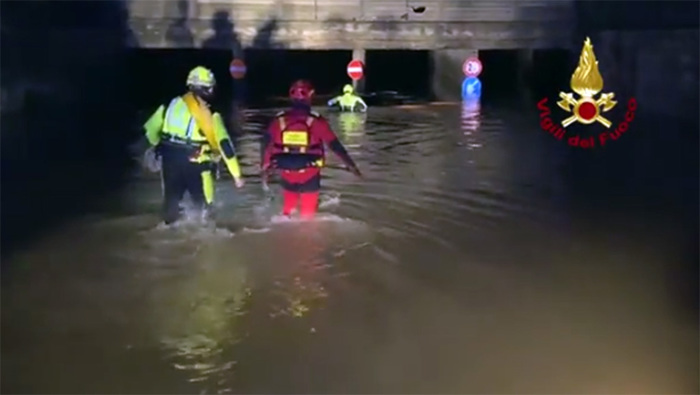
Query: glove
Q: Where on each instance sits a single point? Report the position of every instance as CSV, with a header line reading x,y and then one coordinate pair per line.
x,y
138,148
152,161
354,170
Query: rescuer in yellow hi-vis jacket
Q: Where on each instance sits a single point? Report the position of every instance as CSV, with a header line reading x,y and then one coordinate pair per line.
x,y
190,140
349,100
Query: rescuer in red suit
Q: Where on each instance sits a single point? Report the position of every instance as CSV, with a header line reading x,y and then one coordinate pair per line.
x,y
294,145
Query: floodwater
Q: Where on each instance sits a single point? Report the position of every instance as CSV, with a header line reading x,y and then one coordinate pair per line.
x,y
467,261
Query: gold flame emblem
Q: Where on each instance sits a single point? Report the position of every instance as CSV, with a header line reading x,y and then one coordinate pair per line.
x,y
587,82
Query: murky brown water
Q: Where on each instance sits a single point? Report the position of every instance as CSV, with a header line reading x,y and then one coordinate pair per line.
x,y
459,266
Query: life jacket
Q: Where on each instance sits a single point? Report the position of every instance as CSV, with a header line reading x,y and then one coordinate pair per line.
x,y
189,127
296,147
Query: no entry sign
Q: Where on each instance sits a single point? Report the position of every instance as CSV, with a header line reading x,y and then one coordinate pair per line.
x,y
356,69
472,67
237,69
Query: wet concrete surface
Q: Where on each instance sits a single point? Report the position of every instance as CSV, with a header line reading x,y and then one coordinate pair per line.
x,y
480,255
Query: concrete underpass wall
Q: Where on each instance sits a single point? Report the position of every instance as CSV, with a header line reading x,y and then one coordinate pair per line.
x,y
658,67
646,49
350,24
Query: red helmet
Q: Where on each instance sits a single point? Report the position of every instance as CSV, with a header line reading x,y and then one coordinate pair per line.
x,y
301,90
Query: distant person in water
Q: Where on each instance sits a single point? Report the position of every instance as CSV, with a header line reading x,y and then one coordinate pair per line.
x,y
294,145
349,100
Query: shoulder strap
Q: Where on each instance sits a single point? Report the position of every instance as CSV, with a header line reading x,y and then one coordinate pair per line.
x,y
313,116
282,121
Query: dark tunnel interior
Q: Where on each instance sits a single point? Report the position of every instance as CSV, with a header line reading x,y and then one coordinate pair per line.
x,y
159,73
405,71
500,73
270,71
501,80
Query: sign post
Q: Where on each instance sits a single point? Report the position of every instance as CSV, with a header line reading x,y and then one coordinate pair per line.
x,y
237,69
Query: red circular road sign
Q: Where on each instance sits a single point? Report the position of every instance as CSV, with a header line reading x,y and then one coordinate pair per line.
x,y
356,69
237,69
472,67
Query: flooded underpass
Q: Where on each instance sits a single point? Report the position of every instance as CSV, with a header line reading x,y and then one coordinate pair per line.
x,y
478,255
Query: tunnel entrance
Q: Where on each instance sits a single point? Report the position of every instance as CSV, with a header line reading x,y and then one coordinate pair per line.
x,y
271,71
405,71
157,75
549,71
500,73
552,69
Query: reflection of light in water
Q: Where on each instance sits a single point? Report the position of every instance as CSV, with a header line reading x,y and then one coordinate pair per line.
x,y
352,122
471,116
299,286
196,318
306,253
471,121
298,295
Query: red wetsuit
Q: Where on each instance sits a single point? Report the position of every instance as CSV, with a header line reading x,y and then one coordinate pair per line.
x,y
294,145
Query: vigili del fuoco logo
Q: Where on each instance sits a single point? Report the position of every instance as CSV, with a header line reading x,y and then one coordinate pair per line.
x,y
586,109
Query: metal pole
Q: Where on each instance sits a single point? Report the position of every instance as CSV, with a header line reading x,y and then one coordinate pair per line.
x,y
359,54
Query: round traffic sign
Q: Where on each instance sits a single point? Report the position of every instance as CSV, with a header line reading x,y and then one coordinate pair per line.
x,y
237,69
356,69
472,67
